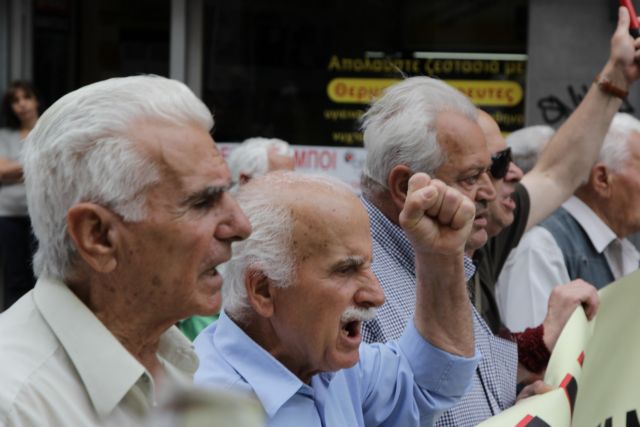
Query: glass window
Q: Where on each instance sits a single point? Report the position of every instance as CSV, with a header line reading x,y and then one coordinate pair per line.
x,y
269,64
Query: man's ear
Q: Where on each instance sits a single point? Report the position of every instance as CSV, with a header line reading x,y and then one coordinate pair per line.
x,y
398,184
259,292
600,180
92,229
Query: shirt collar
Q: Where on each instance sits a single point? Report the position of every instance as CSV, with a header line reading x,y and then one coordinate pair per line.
x,y
599,233
107,370
271,381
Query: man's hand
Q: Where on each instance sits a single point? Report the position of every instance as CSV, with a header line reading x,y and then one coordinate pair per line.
x,y
533,389
625,52
562,302
437,218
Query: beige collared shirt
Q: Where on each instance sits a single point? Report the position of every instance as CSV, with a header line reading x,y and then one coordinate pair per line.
x,y
60,366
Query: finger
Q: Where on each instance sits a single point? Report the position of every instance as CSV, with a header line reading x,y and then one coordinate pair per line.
x,y
417,181
464,214
591,303
533,389
580,292
417,201
441,187
540,387
623,21
451,201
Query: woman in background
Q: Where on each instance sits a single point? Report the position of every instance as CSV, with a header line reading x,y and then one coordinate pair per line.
x,y
21,110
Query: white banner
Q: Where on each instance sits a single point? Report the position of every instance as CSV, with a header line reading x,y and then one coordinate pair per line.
x,y
344,163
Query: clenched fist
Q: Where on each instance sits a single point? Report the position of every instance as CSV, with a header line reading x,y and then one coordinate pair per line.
x,y
437,218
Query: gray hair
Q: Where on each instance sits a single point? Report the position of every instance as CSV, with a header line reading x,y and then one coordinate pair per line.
x,y
80,151
269,248
399,127
615,149
252,157
527,143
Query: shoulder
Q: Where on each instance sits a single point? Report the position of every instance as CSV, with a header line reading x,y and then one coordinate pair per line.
x,y
536,238
8,134
35,357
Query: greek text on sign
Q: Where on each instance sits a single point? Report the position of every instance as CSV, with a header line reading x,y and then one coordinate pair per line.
x,y
483,93
490,93
357,91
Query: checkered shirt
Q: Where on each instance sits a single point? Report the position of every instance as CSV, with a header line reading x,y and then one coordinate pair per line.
x,y
494,385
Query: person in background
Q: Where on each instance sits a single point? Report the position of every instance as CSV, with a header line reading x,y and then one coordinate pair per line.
x,y
128,199
527,143
21,108
583,239
251,159
258,156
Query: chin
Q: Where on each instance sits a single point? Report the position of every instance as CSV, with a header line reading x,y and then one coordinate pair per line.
x,y
345,360
477,239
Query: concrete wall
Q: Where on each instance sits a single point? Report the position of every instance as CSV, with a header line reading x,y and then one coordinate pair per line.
x,y
568,43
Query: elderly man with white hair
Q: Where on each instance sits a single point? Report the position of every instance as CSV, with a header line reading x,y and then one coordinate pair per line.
x,y
583,239
424,125
253,158
127,196
258,156
296,293
527,143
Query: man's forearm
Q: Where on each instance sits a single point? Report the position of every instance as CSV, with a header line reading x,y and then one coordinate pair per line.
x,y
443,311
573,149
10,171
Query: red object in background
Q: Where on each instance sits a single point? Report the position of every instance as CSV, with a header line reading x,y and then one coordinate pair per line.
x,y
634,26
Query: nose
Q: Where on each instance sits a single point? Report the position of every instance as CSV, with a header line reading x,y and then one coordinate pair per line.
x,y
486,191
234,225
514,174
370,294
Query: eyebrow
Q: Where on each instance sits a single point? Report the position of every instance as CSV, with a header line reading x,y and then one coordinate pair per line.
x,y
474,170
349,262
206,193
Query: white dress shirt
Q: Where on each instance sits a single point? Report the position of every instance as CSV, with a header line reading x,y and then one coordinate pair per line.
x,y
60,366
537,265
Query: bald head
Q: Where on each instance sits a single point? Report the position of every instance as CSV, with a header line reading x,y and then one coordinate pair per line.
x,y
290,213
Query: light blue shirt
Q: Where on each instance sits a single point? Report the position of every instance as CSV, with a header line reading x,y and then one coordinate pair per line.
x,y
402,383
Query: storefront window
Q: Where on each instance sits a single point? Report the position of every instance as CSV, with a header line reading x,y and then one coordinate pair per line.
x,y
294,70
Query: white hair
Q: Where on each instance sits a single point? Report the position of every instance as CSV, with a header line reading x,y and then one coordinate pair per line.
x,y
269,248
527,143
80,151
615,149
399,128
252,157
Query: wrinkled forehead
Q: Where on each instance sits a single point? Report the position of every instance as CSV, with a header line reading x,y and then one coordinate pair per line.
x,y
491,131
462,142
324,218
170,143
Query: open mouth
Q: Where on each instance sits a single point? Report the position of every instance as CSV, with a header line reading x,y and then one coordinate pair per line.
x,y
351,329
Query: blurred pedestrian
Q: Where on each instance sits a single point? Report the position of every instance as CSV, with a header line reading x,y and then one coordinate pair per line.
x,y
21,111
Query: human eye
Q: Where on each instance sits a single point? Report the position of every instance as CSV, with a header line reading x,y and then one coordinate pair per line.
x,y
206,199
348,266
471,180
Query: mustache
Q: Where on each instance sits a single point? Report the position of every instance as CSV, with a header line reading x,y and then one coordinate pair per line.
x,y
358,314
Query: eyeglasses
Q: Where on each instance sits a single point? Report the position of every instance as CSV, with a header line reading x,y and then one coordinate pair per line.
x,y
500,163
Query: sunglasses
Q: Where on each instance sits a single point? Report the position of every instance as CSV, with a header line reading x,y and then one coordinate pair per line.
x,y
500,163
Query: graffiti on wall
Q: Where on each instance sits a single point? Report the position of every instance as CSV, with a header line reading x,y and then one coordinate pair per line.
x,y
555,110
